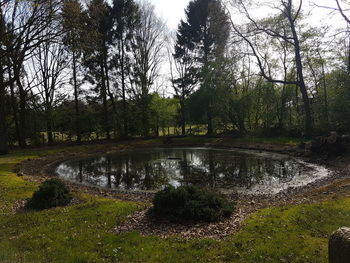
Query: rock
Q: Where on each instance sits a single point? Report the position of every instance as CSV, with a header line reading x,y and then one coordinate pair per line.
x,y
339,246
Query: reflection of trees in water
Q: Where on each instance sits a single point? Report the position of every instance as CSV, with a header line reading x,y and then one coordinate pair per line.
x,y
154,170
226,171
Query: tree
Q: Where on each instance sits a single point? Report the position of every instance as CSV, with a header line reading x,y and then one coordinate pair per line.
x,y
163,112
342,6
147,50
73,26
3,84
24,26
125,20
202,38
282,27
183,79
97,34
48,72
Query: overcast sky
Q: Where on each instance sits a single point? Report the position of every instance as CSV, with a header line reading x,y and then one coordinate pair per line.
x,y
171,10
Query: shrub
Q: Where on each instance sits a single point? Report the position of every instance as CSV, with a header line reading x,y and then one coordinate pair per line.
x,y
190,203
51,193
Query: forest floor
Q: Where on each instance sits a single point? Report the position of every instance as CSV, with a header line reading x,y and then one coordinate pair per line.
x,y
293,228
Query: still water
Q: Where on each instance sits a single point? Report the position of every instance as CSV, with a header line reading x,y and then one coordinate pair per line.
x,y
225,170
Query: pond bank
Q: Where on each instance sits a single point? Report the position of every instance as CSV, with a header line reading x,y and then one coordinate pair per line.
x,y
290,233
330,188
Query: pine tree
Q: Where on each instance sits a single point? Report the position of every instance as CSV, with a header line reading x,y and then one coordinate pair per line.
x,y
125,18
73,24
202,39
96,52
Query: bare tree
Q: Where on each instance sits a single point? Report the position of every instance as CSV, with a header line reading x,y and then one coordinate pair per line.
x,y
282,27
48,66
148,45
22,25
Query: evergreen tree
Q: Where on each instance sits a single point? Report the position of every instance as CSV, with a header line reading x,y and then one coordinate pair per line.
x,y
73,25
202,38
96,55
125,18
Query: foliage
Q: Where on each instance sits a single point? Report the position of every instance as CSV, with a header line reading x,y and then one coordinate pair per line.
x,y
51,193
163,112
187,203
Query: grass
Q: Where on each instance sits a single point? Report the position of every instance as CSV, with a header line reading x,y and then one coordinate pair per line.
x,y
83,233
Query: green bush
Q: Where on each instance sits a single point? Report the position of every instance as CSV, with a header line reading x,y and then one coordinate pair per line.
x,y
51,193
190,203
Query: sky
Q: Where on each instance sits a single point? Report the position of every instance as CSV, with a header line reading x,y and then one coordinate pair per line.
x,y
172,11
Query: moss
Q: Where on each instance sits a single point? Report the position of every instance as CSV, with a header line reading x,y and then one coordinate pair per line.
x,y
83,233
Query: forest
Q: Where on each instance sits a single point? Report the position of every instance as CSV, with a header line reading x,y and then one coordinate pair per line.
x,y
75,70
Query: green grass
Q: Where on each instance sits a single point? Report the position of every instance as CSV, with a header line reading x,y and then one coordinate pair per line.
x,y
83,233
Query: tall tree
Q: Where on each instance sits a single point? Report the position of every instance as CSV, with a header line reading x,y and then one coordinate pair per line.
x,y
27,25
183,79
3,84
125,18
283,27
202,38
96,54
48,66
147,49
73,26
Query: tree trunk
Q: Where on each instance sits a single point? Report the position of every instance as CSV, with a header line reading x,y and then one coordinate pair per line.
x,y
49,125
104,101
22,115
14,106
145,129
110,95
183,116
301,84
76,99
3,132
210,122
125,112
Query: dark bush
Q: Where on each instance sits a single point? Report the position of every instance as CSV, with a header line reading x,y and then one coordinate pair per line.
x,y
190,203
51,193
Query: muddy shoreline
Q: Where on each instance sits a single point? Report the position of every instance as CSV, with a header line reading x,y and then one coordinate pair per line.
x,y
335,186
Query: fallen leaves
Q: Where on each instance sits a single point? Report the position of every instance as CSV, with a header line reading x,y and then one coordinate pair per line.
x,y
147,225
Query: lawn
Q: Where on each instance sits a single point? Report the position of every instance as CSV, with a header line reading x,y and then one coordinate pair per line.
x,y
83,233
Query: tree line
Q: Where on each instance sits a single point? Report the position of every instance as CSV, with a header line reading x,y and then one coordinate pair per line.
x,y
112,69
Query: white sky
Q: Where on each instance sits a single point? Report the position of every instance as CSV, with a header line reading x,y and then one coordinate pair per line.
x,y
172,11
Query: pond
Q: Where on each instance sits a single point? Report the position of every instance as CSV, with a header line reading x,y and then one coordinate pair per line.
x,y
221,169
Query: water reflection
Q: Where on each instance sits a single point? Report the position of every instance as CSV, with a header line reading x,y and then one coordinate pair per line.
x,y
154,169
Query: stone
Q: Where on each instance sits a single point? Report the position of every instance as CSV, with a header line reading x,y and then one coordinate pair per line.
x,y
339,246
